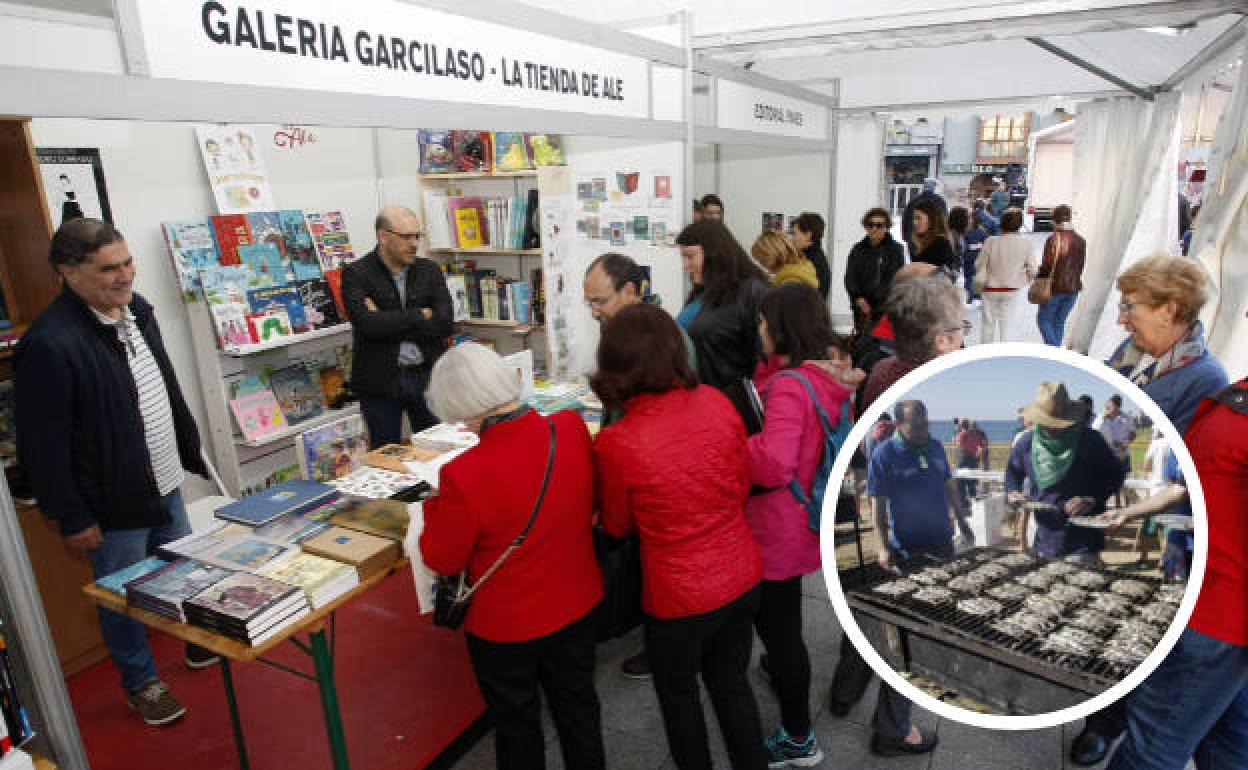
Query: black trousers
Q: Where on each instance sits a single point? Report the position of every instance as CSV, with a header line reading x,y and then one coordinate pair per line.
x,y
717,645
853,674
779,625
509,673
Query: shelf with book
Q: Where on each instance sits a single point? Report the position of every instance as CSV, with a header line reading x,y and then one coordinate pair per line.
x,y
461,175
286,341
289,432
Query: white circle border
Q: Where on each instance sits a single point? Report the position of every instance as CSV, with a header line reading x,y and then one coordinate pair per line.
x,y
1195,494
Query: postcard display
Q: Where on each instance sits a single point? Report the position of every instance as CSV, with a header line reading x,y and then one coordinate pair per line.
x,y
262,286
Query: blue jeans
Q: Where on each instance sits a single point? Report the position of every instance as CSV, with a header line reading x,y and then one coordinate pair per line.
x,y
1194,705
126,638
384,416
1051,317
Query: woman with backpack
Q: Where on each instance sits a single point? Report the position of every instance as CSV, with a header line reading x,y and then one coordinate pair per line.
x,y
796,381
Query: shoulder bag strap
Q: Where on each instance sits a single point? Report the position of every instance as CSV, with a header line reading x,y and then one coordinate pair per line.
x,y
824,421
524,533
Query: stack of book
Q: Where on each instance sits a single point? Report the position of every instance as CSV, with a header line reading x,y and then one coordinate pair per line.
x,y
265,275
321,579
248,608
294,496
116,582
367,553
383,518
166,590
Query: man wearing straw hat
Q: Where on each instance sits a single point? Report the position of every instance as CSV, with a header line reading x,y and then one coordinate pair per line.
x,y
1071,472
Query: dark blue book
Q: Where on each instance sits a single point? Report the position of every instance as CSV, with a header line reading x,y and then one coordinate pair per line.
x,y
287,297
294,496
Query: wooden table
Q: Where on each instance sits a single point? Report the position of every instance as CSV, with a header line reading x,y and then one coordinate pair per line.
x,y
318,647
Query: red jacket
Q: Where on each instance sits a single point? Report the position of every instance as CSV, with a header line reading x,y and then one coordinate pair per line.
x,y
484,498
675,469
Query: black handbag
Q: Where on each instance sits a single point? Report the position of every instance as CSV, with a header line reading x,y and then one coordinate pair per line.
x,y
620,560
452,594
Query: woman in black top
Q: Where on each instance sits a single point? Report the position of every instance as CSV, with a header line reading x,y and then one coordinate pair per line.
x,y
870,268
931,237
808,238
721,313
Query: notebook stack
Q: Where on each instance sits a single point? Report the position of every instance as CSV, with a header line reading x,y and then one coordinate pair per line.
x,y
246,607
323,580
167,589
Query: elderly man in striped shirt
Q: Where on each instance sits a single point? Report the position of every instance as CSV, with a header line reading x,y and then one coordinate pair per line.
x,y
105,435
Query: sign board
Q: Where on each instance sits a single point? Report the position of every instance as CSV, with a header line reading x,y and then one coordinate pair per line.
x,y
973,168
905,150
380,48
745,108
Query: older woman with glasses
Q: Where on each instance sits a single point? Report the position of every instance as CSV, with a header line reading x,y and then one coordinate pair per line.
x,y
872,264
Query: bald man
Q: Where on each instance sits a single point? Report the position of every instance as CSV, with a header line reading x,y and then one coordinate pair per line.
x,y
400,313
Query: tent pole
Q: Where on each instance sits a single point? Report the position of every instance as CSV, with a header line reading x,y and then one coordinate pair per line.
x,y
1061,53
1232,35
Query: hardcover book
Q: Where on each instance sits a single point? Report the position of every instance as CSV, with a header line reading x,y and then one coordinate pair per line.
x,y
318,303
323,580
165,590
192,249
367,553
266,227
271,324
247,552
468,229
287,297
266,264
334,450
258,414
546,149
206,539
436,153
230,320
471,151
245,600
300,251
334,279
293,496
116,582
384,518
292,527
458,288
510,151
299,398
230,231
371,483
330,237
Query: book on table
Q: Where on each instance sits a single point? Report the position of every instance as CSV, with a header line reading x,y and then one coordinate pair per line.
x,y
384,518
164,590
293,527
332,450
323,580
367,553
370,483
293,496
116,581
211,536
247,552
247,607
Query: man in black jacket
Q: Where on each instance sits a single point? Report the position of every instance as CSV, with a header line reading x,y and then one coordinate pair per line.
x,y
401,315
105,435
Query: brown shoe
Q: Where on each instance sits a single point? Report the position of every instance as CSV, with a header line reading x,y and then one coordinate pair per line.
x,y
156,704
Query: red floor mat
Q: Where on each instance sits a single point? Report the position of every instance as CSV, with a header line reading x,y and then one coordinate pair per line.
x,y
406,690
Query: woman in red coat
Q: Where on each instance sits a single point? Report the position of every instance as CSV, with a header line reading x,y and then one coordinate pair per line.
x,y
674,469
531,622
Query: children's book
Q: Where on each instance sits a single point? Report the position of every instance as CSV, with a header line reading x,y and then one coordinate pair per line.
x,y
334,279
330,237
273,323
471,151
287,297
436,154
546,149
116,582
468,214
230,319
266,227
318,303
333,450
332,381
192,249
266,264
258,414
510,151
230,231
299,398
300,251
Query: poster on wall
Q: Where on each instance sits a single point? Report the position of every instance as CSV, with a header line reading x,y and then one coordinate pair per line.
x,y
235,169
73,183
617,207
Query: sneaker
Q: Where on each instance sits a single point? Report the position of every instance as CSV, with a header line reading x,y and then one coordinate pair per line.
x,y
783,751
199,657
636,667
156,704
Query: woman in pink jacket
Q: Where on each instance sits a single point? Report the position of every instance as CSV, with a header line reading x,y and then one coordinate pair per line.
x,y
796,335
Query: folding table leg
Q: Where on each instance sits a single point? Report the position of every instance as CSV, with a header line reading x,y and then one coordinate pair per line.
x,y
323,659
239,744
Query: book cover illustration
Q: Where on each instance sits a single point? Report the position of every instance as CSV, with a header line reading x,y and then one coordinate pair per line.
x,y
266,264
599,187
235,168
271,324
641,227
230,231
292,528
286,297
627,181
318,303
371,483
332,381
313,573
510,152
334,450
225,284
367,552
457,285
230,319
330,237
258,414
435,151
165,589
384,518
247,552
294,495
617,233
546,149
192,248
334,279
468,228
658,233
662,186
299,251
471,151
243,596
299,398
213,536
116,582
266,227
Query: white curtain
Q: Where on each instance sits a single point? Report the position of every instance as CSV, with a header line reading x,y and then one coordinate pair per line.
x,y
1220,241
1125,204
859,175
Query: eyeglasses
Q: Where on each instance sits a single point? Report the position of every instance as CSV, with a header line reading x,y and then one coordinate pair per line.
x,y
1125,307
597,302
405,236
877,225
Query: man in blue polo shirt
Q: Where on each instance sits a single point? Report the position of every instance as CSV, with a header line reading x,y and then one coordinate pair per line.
x,y
913,492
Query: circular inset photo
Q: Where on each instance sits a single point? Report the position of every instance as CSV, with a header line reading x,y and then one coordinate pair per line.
x,y
1026,535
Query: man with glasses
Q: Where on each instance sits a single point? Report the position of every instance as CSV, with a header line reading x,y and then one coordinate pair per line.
x,y
872,265
400,312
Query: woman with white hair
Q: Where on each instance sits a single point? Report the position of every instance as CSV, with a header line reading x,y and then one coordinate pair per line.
x,y
530,622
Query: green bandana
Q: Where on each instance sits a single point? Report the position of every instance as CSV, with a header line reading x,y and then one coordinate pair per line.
x,y
1051,458
920,452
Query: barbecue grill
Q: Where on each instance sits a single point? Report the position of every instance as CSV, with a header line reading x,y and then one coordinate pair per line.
x,y
1019,672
